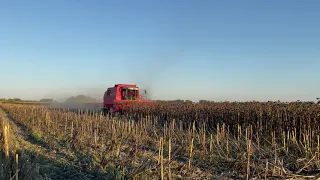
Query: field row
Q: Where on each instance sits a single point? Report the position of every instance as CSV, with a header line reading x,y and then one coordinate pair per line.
x,y
241,140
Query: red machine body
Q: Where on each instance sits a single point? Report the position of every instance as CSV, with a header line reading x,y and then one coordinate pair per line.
x,y
121,96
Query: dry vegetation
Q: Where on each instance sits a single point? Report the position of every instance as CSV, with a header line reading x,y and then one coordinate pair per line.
x,y
173,141
15,162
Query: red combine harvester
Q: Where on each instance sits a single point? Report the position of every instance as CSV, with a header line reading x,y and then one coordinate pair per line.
x,y
120,98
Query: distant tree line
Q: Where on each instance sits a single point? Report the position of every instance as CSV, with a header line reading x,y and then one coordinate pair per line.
x,y
12,100
182,101
47,101
208,101
72,99
88,99
17,100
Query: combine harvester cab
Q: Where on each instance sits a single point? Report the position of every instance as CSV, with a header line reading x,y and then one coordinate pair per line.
x,y
121,97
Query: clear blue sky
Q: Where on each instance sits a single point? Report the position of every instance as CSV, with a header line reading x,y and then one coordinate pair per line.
x,y
192,49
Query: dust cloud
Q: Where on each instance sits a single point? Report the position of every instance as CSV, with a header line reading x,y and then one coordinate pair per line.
x,y
74,100
147,77
151,72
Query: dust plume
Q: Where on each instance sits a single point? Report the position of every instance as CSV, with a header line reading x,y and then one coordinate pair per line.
x,y
154,68
75,100
146,76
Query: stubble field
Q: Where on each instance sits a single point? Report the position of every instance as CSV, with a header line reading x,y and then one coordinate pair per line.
x,y
167,141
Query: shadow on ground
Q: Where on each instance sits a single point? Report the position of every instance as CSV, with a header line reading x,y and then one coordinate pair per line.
x,y
35,164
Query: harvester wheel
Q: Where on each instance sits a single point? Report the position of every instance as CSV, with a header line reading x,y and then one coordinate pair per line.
x,y
111,110
104,111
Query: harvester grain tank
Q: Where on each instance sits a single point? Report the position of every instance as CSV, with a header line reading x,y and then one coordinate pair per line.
x,y
121,97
